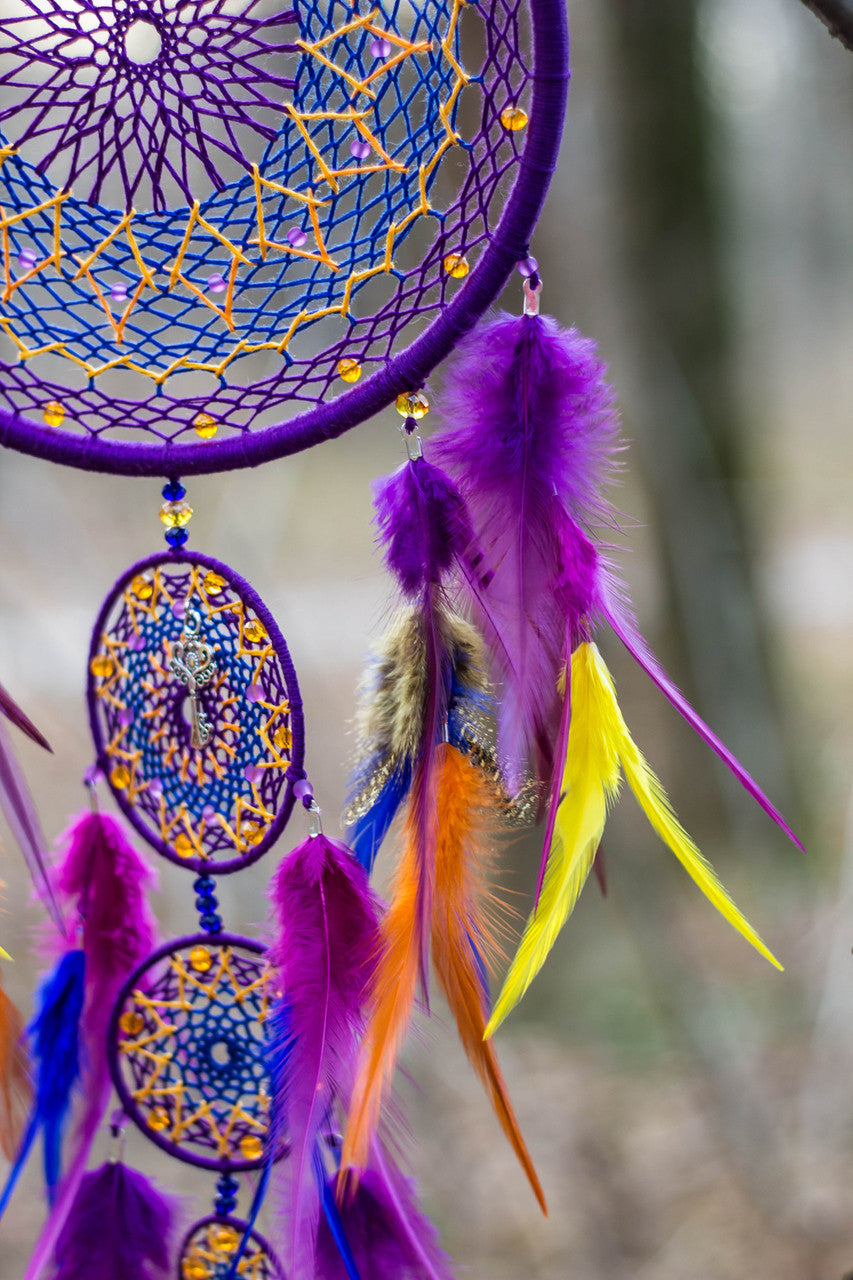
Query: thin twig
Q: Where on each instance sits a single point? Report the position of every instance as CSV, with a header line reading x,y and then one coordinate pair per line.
x,y
837,17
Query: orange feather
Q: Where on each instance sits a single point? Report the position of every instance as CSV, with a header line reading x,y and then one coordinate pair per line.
x,y
460,923
391,999
16,1090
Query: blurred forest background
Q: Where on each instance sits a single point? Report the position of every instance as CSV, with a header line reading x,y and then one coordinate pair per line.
x,y
690,1110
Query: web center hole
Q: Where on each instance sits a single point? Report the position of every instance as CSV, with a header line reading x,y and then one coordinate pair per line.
x,y
221,1053
143,42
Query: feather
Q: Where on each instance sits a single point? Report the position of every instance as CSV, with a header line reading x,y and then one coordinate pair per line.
x,y
384,1232
392,997
20,814
104,879
16,1088
461,931
390,724
599,742
55,1038
120,1225
323,959
623,625
13,713
531,435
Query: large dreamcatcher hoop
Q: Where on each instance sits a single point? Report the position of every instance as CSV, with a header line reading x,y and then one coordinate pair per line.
x,y
315,241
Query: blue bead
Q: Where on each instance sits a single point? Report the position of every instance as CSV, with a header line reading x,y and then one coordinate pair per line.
x,y
210,923
207,904
225,1183
174,491
176,537
204,882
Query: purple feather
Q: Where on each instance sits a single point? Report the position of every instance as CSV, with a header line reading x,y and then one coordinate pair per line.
x,y
120,1225
324,956
619,618
388,1235
533,429
104,879
20,813
423,523
13,713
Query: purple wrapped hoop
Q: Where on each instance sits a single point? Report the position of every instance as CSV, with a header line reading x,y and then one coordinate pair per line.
x,y
171,271
201,759
209,1246
187,1054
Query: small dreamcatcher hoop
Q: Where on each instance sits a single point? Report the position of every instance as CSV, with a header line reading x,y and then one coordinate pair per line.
x,y
207,1252
192,290
186,1048
195,711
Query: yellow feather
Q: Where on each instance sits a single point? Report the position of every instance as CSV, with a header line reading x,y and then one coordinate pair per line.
x,y
599,741
590,780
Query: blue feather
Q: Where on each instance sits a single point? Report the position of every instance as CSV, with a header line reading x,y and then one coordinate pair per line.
x,y
366,834
55,1040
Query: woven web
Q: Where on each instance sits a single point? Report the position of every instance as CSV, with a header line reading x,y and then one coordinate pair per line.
x,y
191,1052
348,202
209,1250
214,802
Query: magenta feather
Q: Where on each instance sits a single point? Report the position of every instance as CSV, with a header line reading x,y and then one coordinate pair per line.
x,y
103,881
120,1227
532,429
323,957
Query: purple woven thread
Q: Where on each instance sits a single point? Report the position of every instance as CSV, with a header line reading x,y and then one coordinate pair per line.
x,y
202,866
398,372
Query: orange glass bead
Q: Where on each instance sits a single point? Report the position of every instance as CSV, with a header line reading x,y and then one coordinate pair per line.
x,y
513,119
142,587
205,426
254,632
349,370
201,959
54,413
213,583
120,777
158,1119
456,265
251,1147
184,846
132,1023
102,666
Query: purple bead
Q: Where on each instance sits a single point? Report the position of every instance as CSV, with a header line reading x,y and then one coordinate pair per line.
x,y
118,292
380,48
253,773
216,283
27,259
208,813
92,775
303,789
125,717
155,787
527,267
296,237
254,693
136,642
360,149
179,608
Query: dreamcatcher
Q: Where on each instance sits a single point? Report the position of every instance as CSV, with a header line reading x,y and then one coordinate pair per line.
x,y
232,231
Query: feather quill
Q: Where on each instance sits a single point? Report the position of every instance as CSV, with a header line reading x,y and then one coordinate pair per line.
x,y
119,1225
323,959
16,1087
599,743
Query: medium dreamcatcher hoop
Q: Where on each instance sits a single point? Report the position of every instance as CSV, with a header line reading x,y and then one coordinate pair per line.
x,y
231,231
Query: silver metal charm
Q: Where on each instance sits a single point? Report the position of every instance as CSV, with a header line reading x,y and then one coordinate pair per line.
x,y
194,663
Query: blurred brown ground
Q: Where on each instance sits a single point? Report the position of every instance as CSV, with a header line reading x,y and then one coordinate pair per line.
x,y
689,1109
